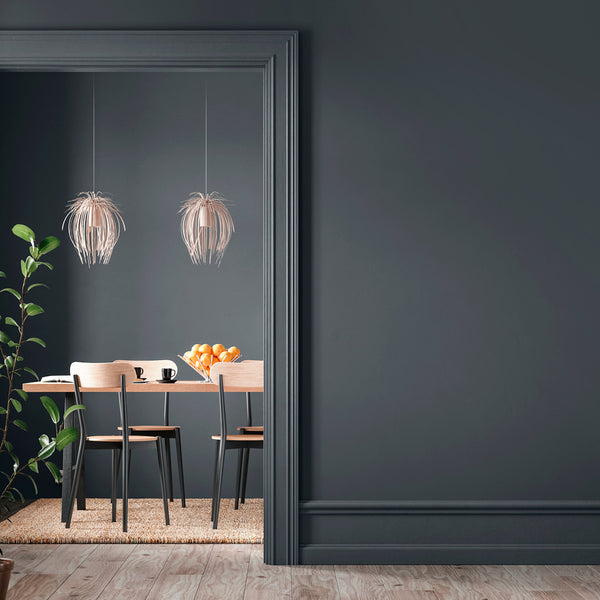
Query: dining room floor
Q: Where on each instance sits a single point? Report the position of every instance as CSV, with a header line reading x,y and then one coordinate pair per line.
x,y
237,571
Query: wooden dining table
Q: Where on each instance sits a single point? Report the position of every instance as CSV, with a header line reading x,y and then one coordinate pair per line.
x,y
149,387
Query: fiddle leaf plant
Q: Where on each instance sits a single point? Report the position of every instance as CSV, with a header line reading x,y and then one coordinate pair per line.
x,y
13,343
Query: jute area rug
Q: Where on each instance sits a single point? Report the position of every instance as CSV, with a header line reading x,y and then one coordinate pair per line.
x,y
39,523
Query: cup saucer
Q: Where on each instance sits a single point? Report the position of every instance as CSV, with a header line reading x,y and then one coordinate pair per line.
x,y
166,380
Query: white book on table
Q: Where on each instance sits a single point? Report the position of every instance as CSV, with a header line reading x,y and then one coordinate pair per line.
x,y
58,379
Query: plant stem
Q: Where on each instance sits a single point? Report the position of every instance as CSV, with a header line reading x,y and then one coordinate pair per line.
x,y
15,474
11,372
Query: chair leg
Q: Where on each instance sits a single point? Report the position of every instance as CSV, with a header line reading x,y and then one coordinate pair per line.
x,y
116,459
169,472
238,477
215,478
81,488
74,486
125,455
245,474
163,487
180,465
219,483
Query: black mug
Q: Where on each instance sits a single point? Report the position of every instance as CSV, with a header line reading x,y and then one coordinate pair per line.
x,y
167,374
138,372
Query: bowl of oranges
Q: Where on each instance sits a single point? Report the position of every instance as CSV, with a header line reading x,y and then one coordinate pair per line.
x,y
201,357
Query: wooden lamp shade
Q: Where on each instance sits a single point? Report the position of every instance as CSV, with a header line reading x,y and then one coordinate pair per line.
x,y
94,223
206,227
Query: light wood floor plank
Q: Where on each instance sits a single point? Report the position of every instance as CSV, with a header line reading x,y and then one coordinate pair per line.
x,y
138,573
26,557
42,578
562,595
188,559
406,577
35,586
583,579
88,581
455,582
226,573
65,559
267,582
182,573
538,578
314,583
493,581
362,582
175,587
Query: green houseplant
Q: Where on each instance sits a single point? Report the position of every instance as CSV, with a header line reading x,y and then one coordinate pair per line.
x,y
13,343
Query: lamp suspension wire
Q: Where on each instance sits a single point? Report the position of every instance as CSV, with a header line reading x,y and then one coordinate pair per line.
x,y
93,132
205,139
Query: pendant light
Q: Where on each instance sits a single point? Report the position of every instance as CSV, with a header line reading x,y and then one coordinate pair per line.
x,y
93,220
206,224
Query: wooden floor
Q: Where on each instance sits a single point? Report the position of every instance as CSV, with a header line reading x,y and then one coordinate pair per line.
x,y
230,572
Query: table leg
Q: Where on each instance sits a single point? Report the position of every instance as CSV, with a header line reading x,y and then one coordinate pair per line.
x,y
67,465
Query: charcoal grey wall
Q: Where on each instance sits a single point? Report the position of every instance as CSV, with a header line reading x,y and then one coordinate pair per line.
x,y
150,301
449,279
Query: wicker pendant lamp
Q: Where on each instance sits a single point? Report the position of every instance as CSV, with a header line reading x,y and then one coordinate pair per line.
x,y
93,220
206,223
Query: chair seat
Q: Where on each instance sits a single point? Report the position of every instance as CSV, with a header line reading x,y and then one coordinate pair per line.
x,y
111,439
152,427
252,428
241,438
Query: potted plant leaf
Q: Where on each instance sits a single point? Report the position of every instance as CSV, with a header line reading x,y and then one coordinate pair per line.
x,y
14,340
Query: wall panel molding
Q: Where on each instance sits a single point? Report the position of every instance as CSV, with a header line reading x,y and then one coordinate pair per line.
x,y
449,507
408,554
449,531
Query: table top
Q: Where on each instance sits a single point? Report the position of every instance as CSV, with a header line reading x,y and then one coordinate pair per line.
x,y
149,386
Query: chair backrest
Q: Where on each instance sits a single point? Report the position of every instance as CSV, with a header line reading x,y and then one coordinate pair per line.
x,y
152,368
246,373
102,374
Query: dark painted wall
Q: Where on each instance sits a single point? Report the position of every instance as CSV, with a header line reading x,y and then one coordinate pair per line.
x,y
150,301
449,284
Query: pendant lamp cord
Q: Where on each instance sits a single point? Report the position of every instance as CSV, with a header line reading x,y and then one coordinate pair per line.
x,y
205,140
94,132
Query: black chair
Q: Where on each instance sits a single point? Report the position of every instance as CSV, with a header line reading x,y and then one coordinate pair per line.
x,y
111,375
152,370
244,374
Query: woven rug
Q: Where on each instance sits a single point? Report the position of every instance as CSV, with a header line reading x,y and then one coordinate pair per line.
x,y
39,523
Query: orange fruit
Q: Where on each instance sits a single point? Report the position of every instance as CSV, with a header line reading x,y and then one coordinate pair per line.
x,y
196,347
188,355
215,359
225,357
206,359
217,349
205,348
234,351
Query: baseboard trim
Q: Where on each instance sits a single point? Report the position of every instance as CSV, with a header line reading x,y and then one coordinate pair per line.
x,y
327,554
449,507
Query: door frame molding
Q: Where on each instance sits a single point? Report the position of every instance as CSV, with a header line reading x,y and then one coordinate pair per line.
x,y
275,55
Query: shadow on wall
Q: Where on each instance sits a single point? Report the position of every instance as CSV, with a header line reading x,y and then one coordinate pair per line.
x,y
34,147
